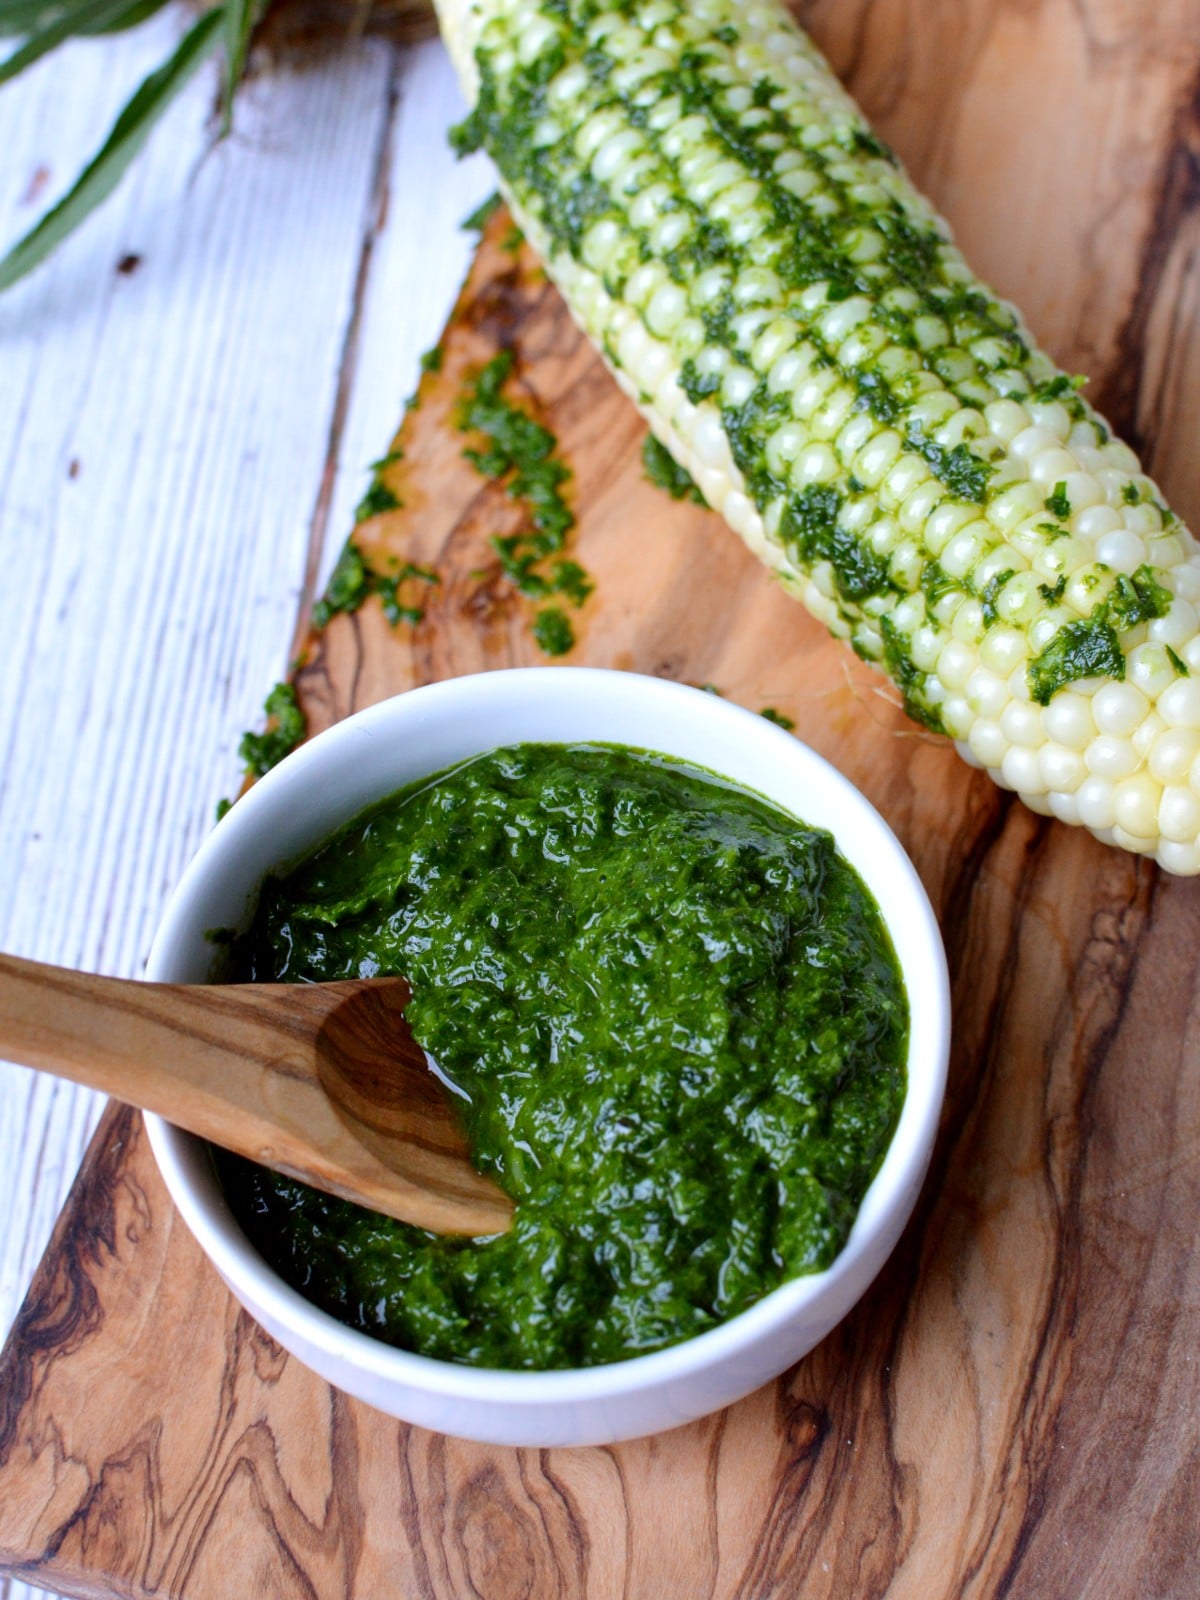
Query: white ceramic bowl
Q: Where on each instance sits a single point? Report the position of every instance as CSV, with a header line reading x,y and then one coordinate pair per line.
x,y
331,779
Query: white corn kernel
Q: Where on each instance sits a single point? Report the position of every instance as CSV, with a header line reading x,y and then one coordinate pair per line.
x,y
963,551
1051,467
1002,649
967,626
1179,703
1121,550
1139,844
1173,753
1110,758
1063,770
1096,520
987,743
1181,858
1021,771
986,693
956,716
1094,797
1149,667
1031,443
1064,807
1136,803
1180,625
955,665
1023,724
816,464
1179,814
1068,719
1146,733
1118,708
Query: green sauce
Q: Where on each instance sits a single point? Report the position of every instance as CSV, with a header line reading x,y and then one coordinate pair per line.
x,y
678,1025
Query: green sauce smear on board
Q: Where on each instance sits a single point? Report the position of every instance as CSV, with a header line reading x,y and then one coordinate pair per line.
x,y
678,1024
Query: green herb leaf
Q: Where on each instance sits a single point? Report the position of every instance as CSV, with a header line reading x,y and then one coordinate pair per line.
x,y
1087,649
92,16
521,452
769,714
1181,666
285,730
240,17
132,17
479,218
129,135
24,17
1058,503
554,634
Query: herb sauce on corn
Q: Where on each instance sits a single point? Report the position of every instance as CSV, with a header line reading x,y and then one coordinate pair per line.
x,y
809,344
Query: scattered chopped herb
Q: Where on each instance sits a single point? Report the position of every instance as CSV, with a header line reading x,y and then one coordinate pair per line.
x,y
1078,650
520,451
711,688
352,582
553,632
778,718
811,532
387,587
1058,504
285,729
483,213
571,581
1140,598
662,469
990,595
512,240
1181,666
907,676
963,473
1052,595
1092,648
1059,388
1131,494
431,361
378,499
347,588
1052,530
936,583
465,138
224,807
695,384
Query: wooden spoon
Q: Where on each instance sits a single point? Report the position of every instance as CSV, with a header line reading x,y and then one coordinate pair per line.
x,y
322,1081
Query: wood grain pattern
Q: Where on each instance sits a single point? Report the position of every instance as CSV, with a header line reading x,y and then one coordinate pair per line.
x,y
1012,1408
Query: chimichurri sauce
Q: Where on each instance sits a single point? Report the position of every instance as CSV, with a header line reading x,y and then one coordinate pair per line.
x,y
678,1021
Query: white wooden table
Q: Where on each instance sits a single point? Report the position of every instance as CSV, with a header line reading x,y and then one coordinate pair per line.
x,y
181,448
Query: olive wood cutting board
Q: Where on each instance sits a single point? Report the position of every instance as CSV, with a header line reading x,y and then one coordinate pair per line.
x,y
1013,1407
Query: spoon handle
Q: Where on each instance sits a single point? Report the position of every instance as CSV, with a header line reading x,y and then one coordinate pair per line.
x,y
237,1064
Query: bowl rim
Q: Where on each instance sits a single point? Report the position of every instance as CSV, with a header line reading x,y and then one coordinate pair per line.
x,y
902,1168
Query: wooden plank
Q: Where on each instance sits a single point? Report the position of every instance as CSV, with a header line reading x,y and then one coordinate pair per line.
x,y
328,167
163,434
1012,1410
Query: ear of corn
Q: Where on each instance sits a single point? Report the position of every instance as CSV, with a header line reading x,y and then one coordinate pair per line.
x,y
804,337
